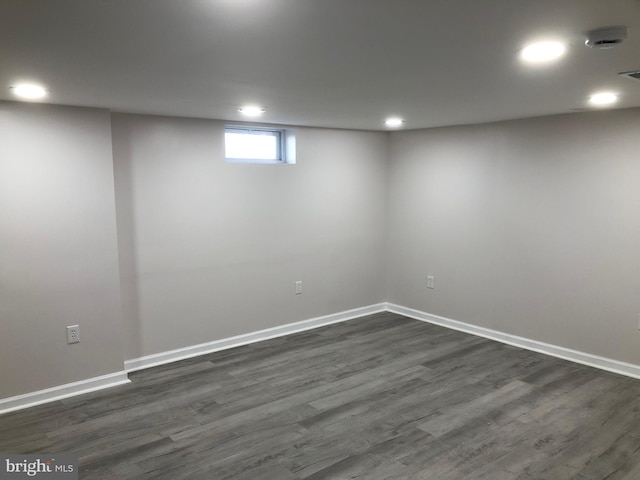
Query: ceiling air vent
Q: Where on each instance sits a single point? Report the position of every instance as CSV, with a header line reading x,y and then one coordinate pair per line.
x,y
635,75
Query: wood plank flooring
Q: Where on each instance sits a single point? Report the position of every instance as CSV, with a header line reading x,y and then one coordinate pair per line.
x,y
382,397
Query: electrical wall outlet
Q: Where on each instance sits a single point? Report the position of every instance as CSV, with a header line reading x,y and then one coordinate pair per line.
x,y
430,282
299,287
73,334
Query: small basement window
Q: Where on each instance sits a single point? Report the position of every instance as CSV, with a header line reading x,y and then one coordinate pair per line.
x,y
257,145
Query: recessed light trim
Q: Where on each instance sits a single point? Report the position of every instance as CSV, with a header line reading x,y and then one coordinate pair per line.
x,y
603,99
29,91
543,52
394,122
251,110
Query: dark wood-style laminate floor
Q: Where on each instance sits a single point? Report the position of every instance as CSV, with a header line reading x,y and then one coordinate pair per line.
x,y
382,397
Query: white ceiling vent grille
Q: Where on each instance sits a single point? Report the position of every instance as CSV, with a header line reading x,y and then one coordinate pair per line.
x,y
634,75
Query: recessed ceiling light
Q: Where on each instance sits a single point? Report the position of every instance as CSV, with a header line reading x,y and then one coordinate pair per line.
x,y
602,99
541,52
29,91
251,110
394,122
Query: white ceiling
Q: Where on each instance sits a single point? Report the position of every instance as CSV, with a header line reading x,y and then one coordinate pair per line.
x,y
334,63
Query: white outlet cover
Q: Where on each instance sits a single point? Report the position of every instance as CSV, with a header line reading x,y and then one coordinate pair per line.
x,y
73,334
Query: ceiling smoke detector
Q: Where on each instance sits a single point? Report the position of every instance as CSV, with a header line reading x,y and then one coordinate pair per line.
x,y
607,37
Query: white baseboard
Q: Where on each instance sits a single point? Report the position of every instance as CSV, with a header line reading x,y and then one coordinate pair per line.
x,y
119,378
603,363
244,339
62,391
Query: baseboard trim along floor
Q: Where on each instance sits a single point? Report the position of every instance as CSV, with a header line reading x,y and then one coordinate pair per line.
x,y
603,363
244,339
119,378
59,392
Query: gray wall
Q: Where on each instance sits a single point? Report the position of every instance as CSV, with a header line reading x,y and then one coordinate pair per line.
x,y
210,249
58,250
530,227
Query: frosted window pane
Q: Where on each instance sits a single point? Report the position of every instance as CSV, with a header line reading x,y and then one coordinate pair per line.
x,y
255,145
